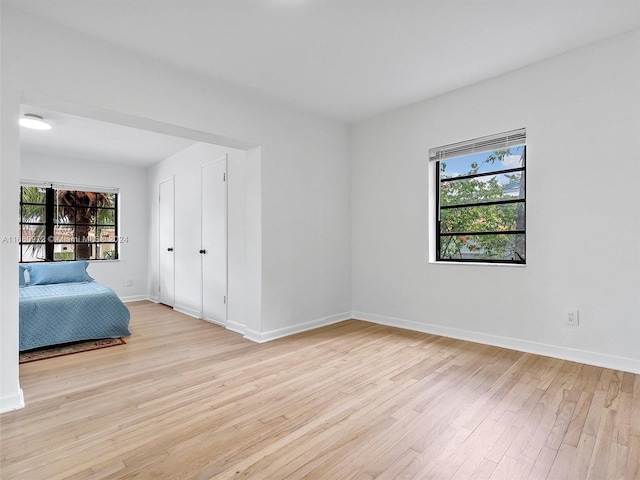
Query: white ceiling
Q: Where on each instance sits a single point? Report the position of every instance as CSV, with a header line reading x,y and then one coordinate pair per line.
x,y
348,59
91,140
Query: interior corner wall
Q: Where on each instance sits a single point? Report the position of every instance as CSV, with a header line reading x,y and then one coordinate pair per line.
x,y
133,214
581,114
304,241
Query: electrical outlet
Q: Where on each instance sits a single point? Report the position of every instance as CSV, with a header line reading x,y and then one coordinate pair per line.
x,y
571,317
128,282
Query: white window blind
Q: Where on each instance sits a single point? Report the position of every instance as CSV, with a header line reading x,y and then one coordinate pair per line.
x,y
498,141
69,186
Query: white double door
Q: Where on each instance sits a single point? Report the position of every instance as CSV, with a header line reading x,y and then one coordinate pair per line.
x,y
213,242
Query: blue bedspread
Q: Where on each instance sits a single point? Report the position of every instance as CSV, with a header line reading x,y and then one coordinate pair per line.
x,y
70,312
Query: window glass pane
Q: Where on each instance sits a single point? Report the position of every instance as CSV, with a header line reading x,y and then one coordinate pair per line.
x,y
85,216
32,233
33,213
33,195
64,252
106,251
64,234
33,252
106,216
505,247
65,198
505,186
106,234
64,214
482,218
84,251
85,234
485,162
109,200
101,199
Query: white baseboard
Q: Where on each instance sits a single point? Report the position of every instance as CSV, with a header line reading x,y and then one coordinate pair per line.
x,y
134,298
213,322
12,402
564,353
236,327
261,337
187,311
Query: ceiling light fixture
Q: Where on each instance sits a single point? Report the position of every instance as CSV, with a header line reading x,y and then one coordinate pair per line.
x,y
31,120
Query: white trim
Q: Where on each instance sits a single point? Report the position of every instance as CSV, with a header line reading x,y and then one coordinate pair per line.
x,y
564,353
135,298
253,336
236,327
213,322
482,264
187,311
12,402
259,337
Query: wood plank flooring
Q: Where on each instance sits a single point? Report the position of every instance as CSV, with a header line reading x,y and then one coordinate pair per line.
x,y
186,399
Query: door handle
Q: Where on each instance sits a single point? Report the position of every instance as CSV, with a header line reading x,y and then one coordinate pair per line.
x,y
170,249
203,251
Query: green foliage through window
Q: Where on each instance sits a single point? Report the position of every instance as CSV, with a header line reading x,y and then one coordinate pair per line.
x,y
60,224
481,207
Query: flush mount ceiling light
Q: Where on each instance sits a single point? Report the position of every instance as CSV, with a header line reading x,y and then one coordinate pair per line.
x,y
31,120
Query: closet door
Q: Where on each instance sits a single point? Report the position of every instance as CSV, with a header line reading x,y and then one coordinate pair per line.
x,y
214,241
166,268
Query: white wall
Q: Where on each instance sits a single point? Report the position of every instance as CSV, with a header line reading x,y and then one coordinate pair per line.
x,y
582,116
133,220
303,167
185,168
11,396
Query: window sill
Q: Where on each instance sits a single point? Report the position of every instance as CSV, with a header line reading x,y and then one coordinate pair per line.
x,y
481,264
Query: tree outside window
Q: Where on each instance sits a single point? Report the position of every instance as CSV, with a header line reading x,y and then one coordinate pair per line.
x,y
63,224
481,214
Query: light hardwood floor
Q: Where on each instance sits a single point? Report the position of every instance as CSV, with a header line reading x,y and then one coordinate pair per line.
x,y
187,399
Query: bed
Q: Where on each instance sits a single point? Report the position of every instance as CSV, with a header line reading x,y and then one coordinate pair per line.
x,y
61,303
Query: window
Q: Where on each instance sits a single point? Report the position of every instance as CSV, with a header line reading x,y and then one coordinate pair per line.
x,y
59,222
480,199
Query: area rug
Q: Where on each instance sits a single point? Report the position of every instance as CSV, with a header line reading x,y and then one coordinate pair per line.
x,y
68,349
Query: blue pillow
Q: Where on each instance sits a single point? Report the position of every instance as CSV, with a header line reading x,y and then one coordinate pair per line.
x,y
21,281
64,272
